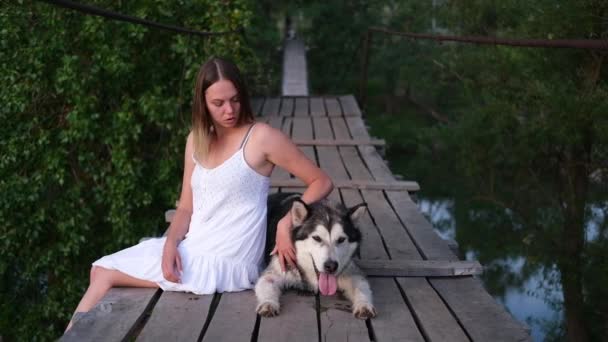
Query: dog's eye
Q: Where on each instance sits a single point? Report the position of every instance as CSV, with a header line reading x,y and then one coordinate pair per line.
x,y
318,239
340,240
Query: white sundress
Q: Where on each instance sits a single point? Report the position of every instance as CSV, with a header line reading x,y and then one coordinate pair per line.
x,y
223,249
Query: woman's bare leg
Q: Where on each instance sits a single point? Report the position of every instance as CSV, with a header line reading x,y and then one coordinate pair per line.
x,y
101,281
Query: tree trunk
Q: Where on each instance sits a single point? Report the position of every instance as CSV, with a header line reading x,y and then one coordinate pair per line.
x,y
575,180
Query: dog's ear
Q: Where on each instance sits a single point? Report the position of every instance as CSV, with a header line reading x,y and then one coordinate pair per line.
x,y
357,211
299,212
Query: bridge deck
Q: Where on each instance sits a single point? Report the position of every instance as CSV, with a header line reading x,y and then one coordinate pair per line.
x,y
420,308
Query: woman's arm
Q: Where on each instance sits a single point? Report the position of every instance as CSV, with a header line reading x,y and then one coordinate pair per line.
x,y
171,262
282,152
181,219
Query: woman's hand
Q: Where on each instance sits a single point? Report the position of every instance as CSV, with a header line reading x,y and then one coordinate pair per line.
x,y
283,245
171,262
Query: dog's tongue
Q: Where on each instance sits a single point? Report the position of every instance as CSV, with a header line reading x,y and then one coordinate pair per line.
x,y
327,284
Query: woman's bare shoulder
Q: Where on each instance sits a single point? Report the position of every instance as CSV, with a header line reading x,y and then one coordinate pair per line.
x,y
268,133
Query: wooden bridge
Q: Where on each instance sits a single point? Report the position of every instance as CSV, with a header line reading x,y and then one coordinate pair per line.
x,y
421,290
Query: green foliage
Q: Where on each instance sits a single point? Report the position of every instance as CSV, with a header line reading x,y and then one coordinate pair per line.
x,y
527,136
95,114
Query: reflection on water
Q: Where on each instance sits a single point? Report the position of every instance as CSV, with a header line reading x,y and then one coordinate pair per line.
x,y
535,299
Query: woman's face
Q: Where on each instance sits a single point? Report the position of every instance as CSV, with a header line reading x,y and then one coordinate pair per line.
x,y
223,103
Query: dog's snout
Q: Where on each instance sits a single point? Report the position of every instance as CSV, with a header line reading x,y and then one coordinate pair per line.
x,y
330,266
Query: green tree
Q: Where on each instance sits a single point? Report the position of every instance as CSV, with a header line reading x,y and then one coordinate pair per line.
x,y
95,114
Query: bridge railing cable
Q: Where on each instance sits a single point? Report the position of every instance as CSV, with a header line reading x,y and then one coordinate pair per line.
x,y
93,10
586,44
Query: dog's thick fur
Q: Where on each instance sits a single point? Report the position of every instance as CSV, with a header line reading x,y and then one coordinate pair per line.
x,y
325,238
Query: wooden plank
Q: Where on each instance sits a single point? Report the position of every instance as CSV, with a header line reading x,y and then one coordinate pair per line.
x,y
301,106
349,105
435,321
279,173
329,158
234,318
271,106
371,243
317,107
338,142
418,268
350,155
431,245
372,159
276,122
338,323
286,106
436,318
399,244
341,131
177,316
333,107
354,184
257,103
169,215
296,322
115,316
302,129
394,321
478,312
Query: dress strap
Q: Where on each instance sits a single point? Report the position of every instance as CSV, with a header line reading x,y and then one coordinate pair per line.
x,y
247,136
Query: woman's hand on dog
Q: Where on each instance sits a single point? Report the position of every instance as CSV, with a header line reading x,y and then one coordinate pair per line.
x,y
283,245
171,263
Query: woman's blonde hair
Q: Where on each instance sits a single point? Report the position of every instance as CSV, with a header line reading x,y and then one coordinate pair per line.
x,y
211,71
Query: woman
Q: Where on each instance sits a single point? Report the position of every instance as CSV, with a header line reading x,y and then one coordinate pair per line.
x,y
216,239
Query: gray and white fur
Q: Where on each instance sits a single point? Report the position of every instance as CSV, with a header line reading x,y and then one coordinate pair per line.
x,y
326,239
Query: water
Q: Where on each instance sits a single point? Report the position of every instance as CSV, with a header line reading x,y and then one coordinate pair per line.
x,y
537,299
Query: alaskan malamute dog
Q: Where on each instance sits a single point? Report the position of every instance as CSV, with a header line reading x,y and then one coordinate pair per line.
x,y
325,239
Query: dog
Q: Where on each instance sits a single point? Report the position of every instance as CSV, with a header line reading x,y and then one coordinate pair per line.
x,y
326,239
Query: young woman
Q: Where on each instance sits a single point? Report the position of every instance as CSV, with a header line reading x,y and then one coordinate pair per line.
x,y
216,239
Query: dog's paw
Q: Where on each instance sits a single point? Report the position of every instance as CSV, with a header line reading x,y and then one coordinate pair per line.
x,y
268,310
364,311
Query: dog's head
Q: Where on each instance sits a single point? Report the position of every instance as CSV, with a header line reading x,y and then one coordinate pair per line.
x,y
328,234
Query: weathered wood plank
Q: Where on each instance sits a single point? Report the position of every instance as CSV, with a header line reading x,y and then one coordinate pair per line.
x,y
114,317
355,165
234,318
302,129
301,106
177,316
431,245
418,268
355,184
349,105
286,106
338,142
478,312
276,122
333,107
399,244
373,161
394,321
371,243
435,321
338,323
329,158
297,321
317,107
280,173
271,106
